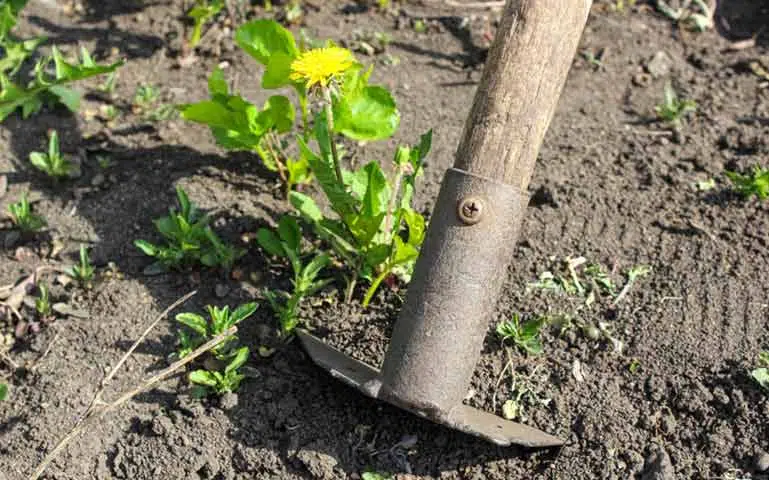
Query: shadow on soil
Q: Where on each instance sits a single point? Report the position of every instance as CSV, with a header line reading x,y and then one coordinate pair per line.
x,y
743,19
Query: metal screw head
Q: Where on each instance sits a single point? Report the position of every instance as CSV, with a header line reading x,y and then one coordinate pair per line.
x,y
470,210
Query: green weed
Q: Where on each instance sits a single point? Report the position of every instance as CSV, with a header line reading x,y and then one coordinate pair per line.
x,y
189,239
43,302
53,163
524,335
201,13
222,374
23,218
754,183
761,374
83,272
3,391
286,243
673,110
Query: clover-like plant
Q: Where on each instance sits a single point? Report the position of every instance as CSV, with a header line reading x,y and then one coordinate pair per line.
x,y
189,239
23,218
756,182
53,163
286,243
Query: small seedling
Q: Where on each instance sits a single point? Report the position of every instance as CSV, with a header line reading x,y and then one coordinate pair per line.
x,y
700,19
525,394
286,244
754,183
43,302
621,5
673,110
3,391
523,335
189,239
219,321
54,164
376,475
110,84
145,97
633,274
419,26
83,273
222,382
23,218
202,12
594,58
761,374
226,357
634,365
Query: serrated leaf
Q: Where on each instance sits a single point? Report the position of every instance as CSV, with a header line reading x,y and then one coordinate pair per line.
x,y
377,191
306,206
341,201
264,38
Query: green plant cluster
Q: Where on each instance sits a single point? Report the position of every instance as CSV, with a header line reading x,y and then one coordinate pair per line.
x,y
23,218
370,230
189,239
52,73
756,182
222,373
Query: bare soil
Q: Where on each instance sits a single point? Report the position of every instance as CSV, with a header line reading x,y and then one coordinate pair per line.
x,y
610,185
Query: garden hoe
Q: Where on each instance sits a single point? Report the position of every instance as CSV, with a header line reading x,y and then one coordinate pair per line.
x,y
472,233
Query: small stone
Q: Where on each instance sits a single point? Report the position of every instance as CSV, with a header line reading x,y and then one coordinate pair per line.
x,y
642,80
161,426
658,466
11,239
659,65
221,290
762,461
98,180
228,401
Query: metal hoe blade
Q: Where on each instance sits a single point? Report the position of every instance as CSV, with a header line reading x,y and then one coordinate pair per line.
x,y
437,339
471,237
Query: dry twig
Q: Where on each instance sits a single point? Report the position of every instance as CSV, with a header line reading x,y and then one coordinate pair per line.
x,y
98,408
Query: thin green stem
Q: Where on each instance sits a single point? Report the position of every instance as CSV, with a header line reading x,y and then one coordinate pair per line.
x,y
374,286
330,124
305,115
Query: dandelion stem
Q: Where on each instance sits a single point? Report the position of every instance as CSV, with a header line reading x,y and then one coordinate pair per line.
x,y
330,126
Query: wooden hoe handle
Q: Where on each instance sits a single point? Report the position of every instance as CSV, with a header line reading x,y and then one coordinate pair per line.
x,y
524,75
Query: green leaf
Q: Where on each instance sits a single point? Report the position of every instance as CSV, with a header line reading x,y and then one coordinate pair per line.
x,y
39,160
278,114
233,121
306,206
264,38
217,84
289,233
341,201
270,242
146,247
416,225
203,377
243,312
404,253
68,97
3,391
377,191
194,321
364,228
365,112
313,268
238,360
761,376
278,71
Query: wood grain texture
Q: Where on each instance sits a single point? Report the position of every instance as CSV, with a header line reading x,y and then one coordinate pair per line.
x,y
523,78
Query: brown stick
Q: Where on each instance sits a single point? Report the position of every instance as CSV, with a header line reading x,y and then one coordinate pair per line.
x,y
98,408
524,75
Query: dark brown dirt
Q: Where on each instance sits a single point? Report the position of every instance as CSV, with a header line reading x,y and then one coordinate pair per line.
x,y
608,186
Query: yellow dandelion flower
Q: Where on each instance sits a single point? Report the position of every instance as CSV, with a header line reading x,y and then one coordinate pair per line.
x,y
319,65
